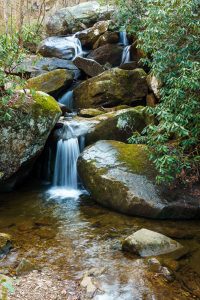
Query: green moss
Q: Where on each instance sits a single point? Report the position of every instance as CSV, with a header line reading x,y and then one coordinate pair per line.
x,y
50,81
46,102
135,157
37,103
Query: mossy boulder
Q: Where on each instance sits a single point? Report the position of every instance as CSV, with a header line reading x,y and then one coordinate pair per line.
x,y
51,81
24,134
110,129
121,177
112,88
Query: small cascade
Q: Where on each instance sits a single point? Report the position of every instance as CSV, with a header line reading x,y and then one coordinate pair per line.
x,y
65,173
123,38
67,99
75,43
126,55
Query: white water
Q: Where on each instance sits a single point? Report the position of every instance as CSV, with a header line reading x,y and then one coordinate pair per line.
x,y
78,51
67,99
123,38
126,55
65,173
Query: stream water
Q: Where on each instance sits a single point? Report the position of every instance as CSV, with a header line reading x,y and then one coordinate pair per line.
x,y
73,234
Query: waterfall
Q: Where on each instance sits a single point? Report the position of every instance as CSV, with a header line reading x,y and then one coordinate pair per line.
x,y
67,99
126,55
75,44
65,173
123,38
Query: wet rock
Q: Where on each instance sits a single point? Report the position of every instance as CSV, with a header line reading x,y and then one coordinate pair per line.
x,y
90,113
24,267
154,265
76,18
89,66
120,176
89,285
108,37
51,81
57,46
95,272
46,233
90,35
64,109
111,88
145,243
109,53
26,225
24,135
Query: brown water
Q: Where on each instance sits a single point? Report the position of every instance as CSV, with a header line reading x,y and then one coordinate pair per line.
x,y
71,236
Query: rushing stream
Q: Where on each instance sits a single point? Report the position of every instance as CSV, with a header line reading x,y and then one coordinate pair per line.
x,y
72,235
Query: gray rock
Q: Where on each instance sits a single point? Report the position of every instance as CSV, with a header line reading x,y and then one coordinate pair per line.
x,y
89,66
145,243
57,46
76,18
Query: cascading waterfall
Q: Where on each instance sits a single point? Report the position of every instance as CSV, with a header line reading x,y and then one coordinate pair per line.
x,y
75,44
126,55
67,99
65,174
123,38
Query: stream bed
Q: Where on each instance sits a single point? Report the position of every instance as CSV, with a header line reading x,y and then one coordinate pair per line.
x,y
71,235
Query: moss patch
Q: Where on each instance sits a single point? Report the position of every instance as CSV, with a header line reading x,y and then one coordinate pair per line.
x,y
51,81
135,158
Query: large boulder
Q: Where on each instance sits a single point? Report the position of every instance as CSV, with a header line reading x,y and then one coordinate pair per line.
x,y
90,35
89,66
109,53
34,65
111,88
146,242
59,46
24,134
76,18
120,176
108,37
109,129
51,81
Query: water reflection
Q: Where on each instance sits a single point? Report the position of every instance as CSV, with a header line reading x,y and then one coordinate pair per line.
x,y
71,234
